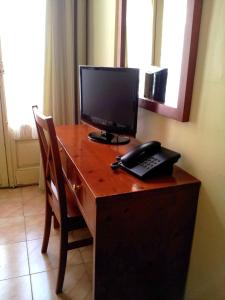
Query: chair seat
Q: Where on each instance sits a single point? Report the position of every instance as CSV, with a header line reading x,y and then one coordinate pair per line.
x,y
72,209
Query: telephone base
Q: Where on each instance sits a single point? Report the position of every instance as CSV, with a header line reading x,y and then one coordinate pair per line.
x,y
140,173
148,160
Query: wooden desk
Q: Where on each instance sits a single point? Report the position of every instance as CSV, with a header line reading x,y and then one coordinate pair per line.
x,y
142,230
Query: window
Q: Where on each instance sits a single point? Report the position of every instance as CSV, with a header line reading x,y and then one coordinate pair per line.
x,y
22,33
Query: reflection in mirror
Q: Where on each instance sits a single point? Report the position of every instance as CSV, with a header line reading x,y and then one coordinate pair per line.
x,y
156,38
139,37
161,38
173,25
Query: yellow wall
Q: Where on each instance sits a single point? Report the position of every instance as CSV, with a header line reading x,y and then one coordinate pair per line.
x,y
101,32
200,141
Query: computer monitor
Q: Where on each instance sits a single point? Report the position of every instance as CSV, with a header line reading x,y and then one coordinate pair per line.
x,y
109,101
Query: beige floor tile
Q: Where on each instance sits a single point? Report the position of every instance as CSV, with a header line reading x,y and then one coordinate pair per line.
x,y
13,260
42,262
33,200
12,230
76,285
31,192
34,206
82,233
11,207
16,289
15,229
89,270
35,227
89,296
87,253
11,193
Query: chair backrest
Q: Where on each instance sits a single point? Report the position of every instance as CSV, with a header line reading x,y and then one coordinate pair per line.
x,y
53,173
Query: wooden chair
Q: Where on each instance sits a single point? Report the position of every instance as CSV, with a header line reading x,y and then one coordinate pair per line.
x,y
60,197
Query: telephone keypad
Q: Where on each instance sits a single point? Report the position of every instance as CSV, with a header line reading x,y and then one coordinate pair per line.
x,y
149,163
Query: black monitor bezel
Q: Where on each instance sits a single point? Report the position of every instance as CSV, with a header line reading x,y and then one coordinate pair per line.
x,y
131,131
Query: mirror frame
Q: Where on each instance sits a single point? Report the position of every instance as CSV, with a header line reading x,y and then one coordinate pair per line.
x,y
191,35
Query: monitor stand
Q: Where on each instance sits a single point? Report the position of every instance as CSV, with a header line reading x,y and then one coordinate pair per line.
x,y
108,138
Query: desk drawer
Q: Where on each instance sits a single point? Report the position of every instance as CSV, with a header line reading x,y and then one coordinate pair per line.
x,y
85,199
87,206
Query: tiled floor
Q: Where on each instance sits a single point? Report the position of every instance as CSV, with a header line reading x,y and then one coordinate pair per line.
x,y
25,273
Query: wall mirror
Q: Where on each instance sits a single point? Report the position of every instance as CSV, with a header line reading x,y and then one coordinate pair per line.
x,y
161,39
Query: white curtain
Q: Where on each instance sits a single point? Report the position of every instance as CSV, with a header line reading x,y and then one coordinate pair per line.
x,y
65,50
3,116
22,34
2,93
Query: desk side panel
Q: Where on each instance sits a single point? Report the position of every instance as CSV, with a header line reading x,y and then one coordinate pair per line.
x,y
143,244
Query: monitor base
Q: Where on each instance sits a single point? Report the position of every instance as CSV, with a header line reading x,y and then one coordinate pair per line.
x,y
108,138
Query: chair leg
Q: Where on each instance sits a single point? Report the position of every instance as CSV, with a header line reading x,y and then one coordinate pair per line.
x,y
62,260
55,222
48,221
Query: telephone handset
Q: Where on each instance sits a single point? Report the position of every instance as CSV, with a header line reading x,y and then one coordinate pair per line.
x,y
146,149
148,159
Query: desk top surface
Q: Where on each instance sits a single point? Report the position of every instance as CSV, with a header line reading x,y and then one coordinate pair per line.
x,y
92,161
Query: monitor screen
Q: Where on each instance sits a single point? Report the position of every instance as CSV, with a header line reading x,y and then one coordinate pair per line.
x,y
109,99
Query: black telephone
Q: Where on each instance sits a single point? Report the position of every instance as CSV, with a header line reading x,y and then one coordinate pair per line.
x,y
147,160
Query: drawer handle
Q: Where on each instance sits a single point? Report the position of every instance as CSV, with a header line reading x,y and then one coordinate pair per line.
x,y
76,187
